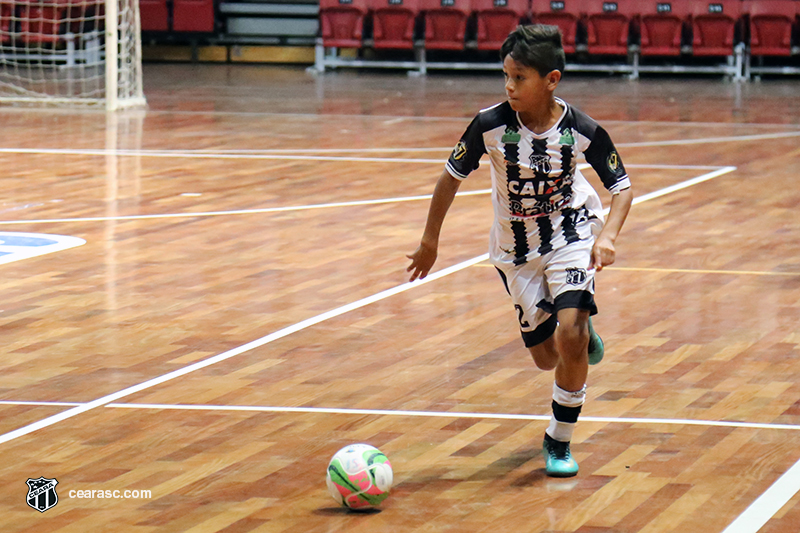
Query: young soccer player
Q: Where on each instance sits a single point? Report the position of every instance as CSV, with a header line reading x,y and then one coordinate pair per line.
x,y
548,238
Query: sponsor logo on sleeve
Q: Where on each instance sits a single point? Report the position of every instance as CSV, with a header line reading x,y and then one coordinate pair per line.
x,y
613,161
459,151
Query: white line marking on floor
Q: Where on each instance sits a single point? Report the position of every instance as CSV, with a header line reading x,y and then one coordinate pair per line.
x,y
113,397
354,203
301,154
49,421
770,502
210,155
702,271
683,185
429,414
713,140
465,120
42,404
451,414
15,246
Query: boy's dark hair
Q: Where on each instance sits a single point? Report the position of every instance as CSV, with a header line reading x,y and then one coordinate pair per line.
x,y
536,46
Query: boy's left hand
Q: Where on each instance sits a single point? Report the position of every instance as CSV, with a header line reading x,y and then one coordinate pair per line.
x,y
603,253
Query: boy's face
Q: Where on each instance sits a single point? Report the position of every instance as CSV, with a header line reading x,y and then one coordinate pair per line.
x,y
527,90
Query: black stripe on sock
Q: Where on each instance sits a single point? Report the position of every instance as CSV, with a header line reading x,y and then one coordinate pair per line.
x,y
566,414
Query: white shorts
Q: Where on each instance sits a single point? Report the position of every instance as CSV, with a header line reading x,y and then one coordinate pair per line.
x,y
544,285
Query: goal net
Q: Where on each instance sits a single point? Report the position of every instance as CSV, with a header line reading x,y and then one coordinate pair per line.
x,y
71,53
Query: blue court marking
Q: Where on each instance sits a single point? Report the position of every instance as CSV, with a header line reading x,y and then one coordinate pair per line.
x,y
11,239
15,246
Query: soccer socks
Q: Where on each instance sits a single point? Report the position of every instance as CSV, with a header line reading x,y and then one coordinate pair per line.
x,y
566,408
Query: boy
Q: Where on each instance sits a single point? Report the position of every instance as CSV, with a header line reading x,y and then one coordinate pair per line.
x,y
548,236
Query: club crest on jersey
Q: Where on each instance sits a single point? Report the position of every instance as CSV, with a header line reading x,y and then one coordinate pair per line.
x,y
510,137
576,276
566,137
541,163
460,150
42,493
613,161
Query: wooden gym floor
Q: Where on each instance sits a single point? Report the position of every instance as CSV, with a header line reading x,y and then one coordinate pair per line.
x,y
239,312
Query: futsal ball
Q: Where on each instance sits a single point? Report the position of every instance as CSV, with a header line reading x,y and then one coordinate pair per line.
x,y
359,476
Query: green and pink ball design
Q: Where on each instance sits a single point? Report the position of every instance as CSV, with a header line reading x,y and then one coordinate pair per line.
x,y
359,476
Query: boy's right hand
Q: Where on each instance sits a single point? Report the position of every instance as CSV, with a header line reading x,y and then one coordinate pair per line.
x,y
422,261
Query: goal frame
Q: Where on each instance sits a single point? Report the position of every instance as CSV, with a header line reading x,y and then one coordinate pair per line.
x,y
115,95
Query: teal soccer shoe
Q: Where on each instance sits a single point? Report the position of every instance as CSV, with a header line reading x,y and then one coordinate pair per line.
x,y
596,349
558,459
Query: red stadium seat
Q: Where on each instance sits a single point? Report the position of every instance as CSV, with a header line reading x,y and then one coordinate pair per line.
x,y
445,23
563,13
714,26
771,26
342,22
393,23
154,15
496,19
193,16
661,24
608,25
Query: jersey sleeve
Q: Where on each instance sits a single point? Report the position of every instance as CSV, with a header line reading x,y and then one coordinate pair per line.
x,y
467,153
605,160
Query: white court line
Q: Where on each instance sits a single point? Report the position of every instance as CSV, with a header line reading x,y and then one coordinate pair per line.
x,y
49,421
319,116
711,140
354,203
428,414
307,154
683,185
770,502
465,120
211,155
325,150
243,211
445,149
43,404
452,414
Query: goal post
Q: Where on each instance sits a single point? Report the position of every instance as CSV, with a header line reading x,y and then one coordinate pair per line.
x,y
71,53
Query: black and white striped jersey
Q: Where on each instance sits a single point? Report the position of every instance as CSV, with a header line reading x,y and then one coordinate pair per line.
x,y
540,197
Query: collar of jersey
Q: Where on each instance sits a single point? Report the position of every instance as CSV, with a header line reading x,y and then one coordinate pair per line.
x,y
559,101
